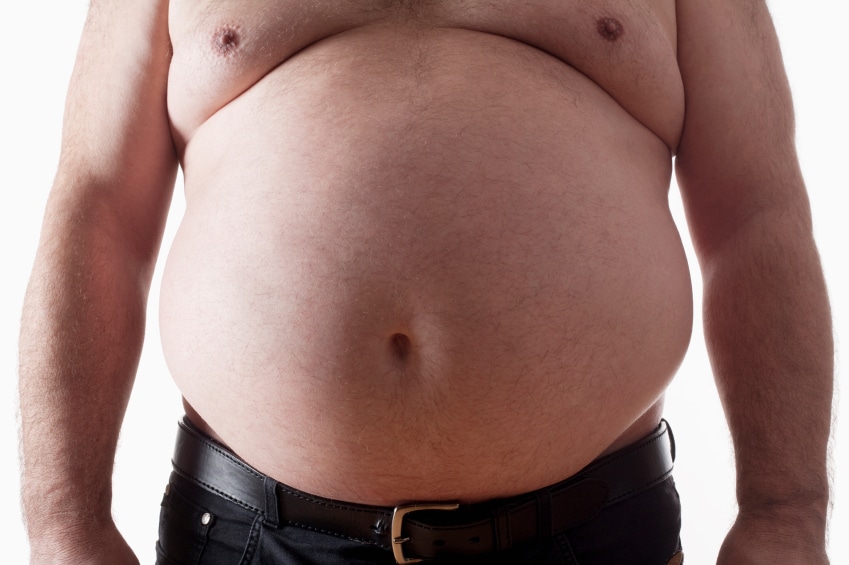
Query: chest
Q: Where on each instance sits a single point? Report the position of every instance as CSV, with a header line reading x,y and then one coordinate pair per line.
x,y
627,47
565,24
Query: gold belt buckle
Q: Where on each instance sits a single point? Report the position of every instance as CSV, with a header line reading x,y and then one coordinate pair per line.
x,y
398,522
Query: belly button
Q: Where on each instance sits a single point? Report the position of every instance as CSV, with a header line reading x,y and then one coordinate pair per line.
x,y
225,40
610,28
400,346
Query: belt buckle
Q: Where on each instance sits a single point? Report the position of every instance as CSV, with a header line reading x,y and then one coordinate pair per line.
x,y
398,522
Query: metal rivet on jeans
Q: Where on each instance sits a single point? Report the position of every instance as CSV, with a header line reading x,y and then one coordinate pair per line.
x,y
206,518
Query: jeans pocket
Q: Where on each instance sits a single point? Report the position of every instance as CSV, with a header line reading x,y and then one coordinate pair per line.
x,y
183,529
198,527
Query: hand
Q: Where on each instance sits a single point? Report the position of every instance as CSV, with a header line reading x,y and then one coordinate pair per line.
x,y
104,546
763,540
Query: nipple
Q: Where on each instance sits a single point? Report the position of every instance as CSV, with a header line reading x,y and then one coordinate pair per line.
x,y
610,29
225,40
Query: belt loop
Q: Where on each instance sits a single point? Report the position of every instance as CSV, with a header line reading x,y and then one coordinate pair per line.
x,y
671,437
545,524
501,519
272,506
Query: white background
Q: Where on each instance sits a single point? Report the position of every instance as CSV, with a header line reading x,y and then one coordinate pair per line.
x,y
39,42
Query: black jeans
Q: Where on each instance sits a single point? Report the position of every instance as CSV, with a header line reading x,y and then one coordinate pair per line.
x,y
198,526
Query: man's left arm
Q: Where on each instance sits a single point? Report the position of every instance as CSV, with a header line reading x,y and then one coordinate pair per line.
x,y
766,311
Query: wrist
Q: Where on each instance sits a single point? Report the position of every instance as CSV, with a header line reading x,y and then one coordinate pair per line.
x,y
58,530
784,496
763,539
66,541
100,544
803,523
812,504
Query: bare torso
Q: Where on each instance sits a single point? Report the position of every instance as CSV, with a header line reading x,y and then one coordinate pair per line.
x,y
427,252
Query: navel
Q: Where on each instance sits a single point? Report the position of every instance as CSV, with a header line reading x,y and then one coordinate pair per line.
x,y
225,40
400,346
609,28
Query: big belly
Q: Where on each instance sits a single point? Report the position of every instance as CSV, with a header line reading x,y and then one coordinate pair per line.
x,y
397,272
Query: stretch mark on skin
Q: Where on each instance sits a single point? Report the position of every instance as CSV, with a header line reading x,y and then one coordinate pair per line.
x,y
610,28
225,40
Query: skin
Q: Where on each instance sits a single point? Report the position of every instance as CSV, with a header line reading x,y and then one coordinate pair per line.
x,y
401,302
442,260
767,319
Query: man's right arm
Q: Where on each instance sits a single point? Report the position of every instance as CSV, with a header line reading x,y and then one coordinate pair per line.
x,y
83,322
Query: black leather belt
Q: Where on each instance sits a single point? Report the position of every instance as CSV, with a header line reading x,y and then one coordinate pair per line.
x,y
423,530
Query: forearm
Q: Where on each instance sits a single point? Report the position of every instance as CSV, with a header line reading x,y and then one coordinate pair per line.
x,y
81,336
768,328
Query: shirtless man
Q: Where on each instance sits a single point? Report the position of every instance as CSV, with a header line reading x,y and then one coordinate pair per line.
x,y
427,257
